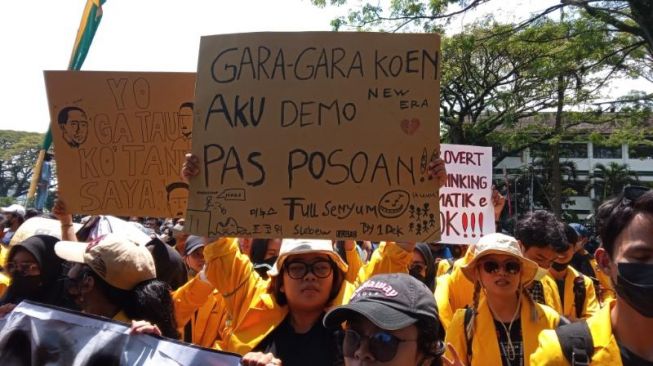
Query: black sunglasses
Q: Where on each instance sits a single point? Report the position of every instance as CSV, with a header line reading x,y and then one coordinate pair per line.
x,y
510,267
382,345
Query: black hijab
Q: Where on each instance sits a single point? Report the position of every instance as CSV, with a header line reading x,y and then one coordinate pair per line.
x,y
51,290
425,250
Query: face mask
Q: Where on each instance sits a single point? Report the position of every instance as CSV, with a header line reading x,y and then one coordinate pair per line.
x,y
26,287
417,273
635,286
559,267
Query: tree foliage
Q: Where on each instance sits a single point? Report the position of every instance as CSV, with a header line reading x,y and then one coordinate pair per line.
x,y
18,152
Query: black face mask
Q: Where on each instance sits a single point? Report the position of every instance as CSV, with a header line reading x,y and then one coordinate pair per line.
x,y
559,267
263,267
25,287
635,286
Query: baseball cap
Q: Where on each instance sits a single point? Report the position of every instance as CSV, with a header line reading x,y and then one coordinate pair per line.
x,y
303,246
193,243
580,229
390,301
14,209
497,243
120,261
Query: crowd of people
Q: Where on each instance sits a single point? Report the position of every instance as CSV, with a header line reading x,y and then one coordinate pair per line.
x,y
535,296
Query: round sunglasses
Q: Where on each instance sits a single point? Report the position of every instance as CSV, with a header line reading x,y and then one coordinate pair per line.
x,y
510,267
382,345
298,269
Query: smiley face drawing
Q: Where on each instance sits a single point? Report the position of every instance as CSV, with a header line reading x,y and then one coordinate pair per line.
x,y
393,204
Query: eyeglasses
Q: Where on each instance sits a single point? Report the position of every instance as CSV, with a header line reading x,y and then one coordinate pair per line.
x,y
382,345
26,268
510,267
298,270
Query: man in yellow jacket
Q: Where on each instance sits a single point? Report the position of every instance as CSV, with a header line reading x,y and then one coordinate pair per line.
x,y
619,333
575,297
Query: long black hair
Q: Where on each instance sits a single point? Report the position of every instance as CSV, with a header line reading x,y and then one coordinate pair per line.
x,y
150,300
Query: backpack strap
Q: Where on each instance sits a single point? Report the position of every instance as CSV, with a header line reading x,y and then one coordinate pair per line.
x,y
580,294
576,343
468,340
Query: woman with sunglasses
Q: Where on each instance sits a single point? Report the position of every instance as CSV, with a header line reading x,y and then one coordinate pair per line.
x,y
502,326
36,273
619,333
390,320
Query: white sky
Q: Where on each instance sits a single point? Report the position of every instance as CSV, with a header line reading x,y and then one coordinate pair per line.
x,y
148,35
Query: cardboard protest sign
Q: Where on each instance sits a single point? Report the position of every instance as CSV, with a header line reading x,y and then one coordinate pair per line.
x,y
466,211
34,334
120,140
319,135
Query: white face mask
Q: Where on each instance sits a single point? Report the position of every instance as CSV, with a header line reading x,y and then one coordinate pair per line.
x,y
541,272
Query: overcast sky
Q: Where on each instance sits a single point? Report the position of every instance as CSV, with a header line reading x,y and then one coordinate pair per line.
x,y
149,35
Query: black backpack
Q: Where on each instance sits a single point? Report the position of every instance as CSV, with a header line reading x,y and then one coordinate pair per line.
x,y
576,343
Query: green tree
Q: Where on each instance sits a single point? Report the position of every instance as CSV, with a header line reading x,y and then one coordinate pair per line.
x,y
18,152
610,180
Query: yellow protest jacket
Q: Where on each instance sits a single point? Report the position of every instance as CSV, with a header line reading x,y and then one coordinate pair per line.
x,y
248,298
202,305
590,306
387,258
5,281
606,290
606,349
485,344
443,267
444,308
354,263
454,291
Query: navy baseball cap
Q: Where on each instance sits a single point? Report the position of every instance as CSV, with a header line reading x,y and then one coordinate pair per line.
x,y
581,230
390,301
193,243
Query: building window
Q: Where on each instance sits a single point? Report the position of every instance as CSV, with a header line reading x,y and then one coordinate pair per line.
x,y
573,150
607,152
641,152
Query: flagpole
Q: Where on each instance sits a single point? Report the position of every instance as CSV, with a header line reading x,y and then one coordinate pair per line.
x,y
88,25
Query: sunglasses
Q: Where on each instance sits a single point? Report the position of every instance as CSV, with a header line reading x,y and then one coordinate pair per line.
x,y
298,270
382,345
510,267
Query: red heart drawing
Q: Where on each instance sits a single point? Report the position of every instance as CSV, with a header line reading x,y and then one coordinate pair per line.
x,y
410,126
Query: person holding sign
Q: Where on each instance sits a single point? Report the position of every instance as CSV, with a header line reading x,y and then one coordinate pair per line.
x,y
282,317
500,328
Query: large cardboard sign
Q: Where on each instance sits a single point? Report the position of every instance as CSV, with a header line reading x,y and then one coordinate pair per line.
x,y
466,210
320,135
120,140
34,334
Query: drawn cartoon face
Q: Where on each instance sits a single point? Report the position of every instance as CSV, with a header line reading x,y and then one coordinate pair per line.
x,y
75,130
177,200
394,204
186,121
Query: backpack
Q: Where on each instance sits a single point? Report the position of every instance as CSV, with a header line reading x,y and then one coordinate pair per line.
x,y
576,343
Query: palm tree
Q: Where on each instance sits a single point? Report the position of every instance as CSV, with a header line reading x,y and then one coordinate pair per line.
x,y
612,179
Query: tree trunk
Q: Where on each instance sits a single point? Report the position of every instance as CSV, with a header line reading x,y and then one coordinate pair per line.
x,y
556,175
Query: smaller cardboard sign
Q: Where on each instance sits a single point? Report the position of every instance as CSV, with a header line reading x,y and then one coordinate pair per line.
x,y
120,140
466,211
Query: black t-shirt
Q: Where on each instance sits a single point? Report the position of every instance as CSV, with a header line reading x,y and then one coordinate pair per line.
x,y
628,358
508,358
561,291
317,347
